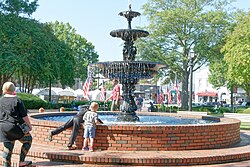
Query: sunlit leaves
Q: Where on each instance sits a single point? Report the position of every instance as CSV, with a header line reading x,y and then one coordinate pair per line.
x,y
18,7
176,26
237,53
82,51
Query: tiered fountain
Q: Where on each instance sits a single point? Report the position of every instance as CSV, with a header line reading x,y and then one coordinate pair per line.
x,y
128,71
121,143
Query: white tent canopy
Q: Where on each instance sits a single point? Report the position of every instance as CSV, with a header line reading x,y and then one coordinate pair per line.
x,y
66,93
79,93
45,92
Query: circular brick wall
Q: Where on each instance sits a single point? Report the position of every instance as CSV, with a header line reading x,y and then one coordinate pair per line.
x,y
146,137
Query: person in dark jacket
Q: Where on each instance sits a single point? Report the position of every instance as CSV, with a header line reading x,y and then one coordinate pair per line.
x,y
74,122
12,114
152,108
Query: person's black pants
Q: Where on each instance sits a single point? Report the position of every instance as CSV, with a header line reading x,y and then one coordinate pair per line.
x,y
75,122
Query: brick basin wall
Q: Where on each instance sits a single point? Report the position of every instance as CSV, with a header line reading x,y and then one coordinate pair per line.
x,y
147,137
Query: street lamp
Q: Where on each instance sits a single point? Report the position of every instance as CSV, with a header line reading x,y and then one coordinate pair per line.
x,y
147,93
151,92
191,58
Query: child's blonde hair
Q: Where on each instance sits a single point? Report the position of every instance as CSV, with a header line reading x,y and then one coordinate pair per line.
x,y
94,106
8,87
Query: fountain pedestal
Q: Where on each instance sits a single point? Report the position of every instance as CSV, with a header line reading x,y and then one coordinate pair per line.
x,y
128,109
128,71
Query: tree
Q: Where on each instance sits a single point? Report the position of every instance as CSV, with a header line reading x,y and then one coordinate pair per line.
x,y
218,70
82,50
18,7
237,53
30,54
178,26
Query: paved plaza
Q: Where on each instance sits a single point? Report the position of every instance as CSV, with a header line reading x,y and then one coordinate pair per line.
x,y
39,153
241,117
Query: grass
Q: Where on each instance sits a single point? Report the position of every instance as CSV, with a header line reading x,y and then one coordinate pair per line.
x,y
215,114
245,125
243,110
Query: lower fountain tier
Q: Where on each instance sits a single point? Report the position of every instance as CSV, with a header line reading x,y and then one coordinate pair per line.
x,y
127,71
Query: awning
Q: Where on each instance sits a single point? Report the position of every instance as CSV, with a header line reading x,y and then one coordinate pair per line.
x,y
66,93
210,94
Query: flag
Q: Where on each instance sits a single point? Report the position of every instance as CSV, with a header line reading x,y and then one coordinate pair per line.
x,y
86,86
169,95
178,93
160,97
103,93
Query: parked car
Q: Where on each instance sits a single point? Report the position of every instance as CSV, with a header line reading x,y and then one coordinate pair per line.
x,y
245,104
196,104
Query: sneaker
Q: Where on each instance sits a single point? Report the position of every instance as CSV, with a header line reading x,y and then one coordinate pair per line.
x,y
50,136
85,149
69,146
91,150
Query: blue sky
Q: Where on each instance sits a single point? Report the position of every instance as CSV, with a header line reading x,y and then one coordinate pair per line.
x,y
95,19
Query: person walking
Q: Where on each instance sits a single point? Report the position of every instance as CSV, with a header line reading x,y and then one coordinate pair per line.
x,y
115,96
90,120
139,102
14,125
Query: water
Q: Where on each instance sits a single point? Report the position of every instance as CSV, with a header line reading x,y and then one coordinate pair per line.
x,y
110,119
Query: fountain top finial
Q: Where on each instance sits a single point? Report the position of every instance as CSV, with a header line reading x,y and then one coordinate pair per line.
x,y
129,14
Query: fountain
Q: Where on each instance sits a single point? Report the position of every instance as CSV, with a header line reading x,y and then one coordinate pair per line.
x,y
141,144
128,71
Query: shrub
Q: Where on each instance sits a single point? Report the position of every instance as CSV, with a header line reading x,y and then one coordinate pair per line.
x,y
31,101
196,108
162,108
34,102
224,109
206,109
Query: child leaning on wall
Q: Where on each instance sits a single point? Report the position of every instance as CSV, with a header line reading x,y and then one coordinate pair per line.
x,y
90,120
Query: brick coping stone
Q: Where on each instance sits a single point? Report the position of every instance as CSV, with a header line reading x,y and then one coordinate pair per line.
x,y
236,153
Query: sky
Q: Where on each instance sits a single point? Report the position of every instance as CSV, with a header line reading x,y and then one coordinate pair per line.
x,y
95,19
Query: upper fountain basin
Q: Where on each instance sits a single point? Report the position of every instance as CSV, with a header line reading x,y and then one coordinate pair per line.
x,y
129,34
128,69
129,14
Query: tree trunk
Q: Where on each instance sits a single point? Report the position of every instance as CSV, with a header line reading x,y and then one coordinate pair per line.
x,y
232,98
184,95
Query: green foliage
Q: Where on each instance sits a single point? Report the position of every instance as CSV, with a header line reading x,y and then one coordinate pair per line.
x,y
83,51
224,110
237,53
173,109
211,109
27,45
165,108
218,72
206,109
17,7
34,102
31,101
245,125
176,27
162,108
243,110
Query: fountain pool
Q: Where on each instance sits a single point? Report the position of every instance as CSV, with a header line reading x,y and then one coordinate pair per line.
x,y
111,119
224,132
